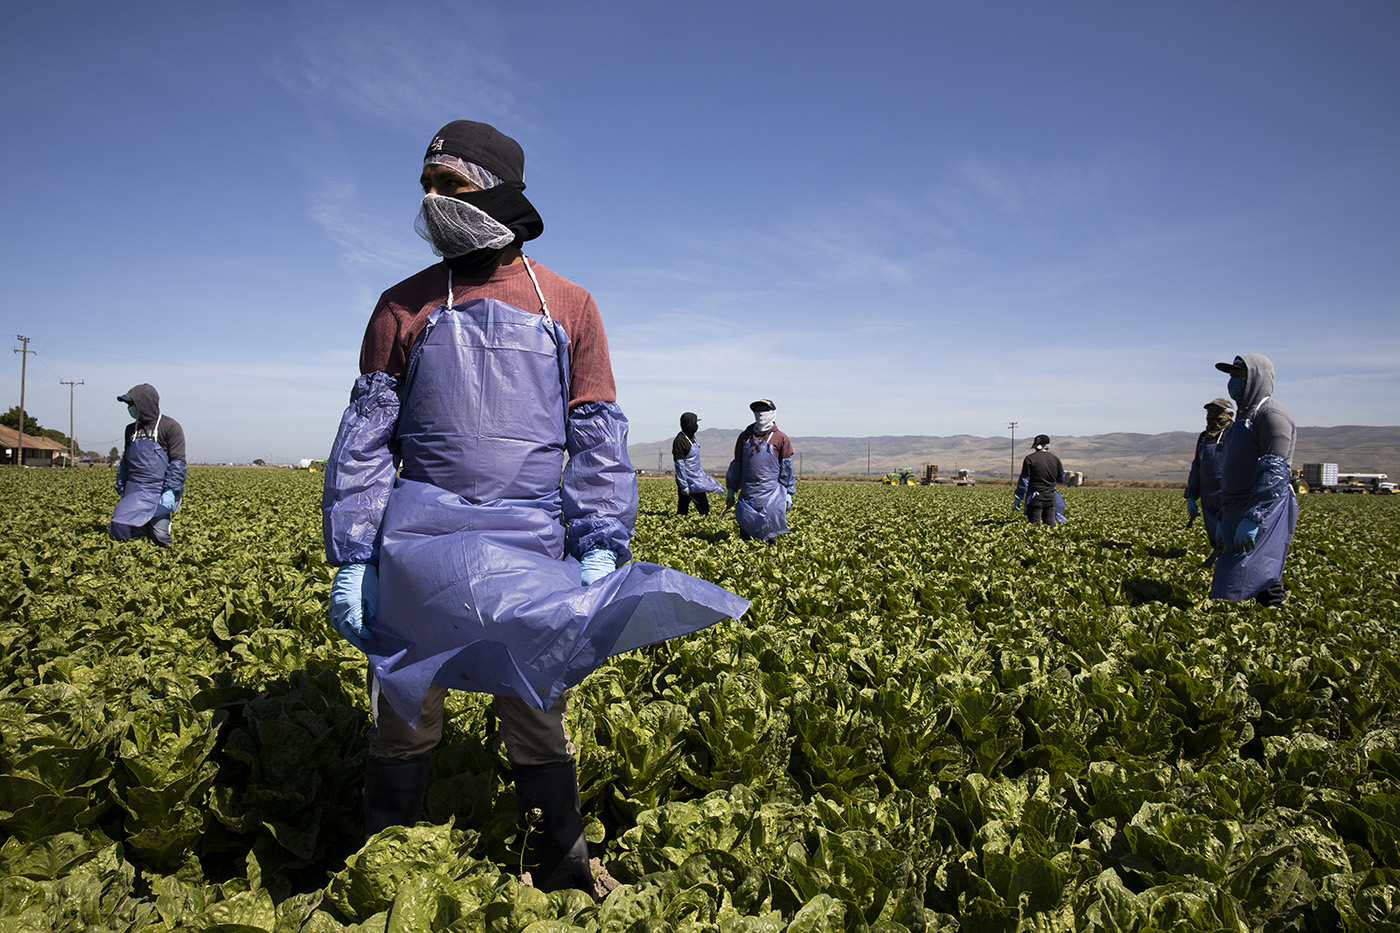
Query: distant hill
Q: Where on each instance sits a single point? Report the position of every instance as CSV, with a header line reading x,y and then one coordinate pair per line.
x,y
1121,456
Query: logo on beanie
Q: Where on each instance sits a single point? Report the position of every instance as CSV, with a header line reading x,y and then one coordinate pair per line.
x,y
437,145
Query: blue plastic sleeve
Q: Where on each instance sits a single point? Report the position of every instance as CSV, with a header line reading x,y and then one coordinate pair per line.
x,y
360,472
1270,486
175,473
734,476
786,477
600,486
1023,486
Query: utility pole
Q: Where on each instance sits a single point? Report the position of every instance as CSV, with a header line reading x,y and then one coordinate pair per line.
x,y
867,458
72,457
1012,425
23,359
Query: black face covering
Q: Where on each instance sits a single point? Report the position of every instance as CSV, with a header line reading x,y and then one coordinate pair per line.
x,y
690,424
506,203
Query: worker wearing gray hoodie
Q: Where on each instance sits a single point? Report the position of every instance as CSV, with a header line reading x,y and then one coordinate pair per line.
x,y
1258,509
151,478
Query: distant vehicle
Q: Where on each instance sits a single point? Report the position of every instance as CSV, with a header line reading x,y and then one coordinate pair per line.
x,y
959,478
1325,477
1074,478
900,477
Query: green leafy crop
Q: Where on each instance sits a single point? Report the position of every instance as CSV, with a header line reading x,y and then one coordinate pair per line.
x,y
933,717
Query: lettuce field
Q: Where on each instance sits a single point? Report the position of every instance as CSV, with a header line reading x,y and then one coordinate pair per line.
x,y
934,717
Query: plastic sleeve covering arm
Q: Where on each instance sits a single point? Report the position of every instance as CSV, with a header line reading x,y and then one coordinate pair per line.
x,y
175,473
733,476
1270,485
600,485
121,475
360,471
786,477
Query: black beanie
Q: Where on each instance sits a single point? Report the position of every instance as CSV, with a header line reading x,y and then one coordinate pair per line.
x,y
484,145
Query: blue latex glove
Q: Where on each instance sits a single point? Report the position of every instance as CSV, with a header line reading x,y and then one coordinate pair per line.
x,y
1016,505
1245,533
355,602
596,565
167,500
1191,508
789,500
121,488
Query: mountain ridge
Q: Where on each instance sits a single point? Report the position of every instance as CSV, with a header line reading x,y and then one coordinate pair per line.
x,y
1116,455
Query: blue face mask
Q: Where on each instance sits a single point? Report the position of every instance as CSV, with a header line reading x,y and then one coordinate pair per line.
x,y
1235,387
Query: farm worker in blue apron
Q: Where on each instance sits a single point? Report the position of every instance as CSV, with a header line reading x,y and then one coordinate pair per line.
x,y
1041,470
761,476
151,476
479,501
693,484
1206,467
1258,509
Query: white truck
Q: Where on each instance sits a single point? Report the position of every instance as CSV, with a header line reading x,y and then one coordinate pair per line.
x,y
1325,477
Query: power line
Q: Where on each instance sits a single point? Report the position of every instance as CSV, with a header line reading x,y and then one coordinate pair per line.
x,y
1012,426
24,360
72,457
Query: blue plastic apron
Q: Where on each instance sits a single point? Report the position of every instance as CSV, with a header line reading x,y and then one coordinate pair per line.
x,y
1245,575
761,509
145,467
475,591
1210,466
691,475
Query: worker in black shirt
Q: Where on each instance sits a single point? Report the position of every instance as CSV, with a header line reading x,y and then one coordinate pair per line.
x,y
1040,472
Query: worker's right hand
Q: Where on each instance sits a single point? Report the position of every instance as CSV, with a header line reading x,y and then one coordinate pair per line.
x,y
1191,508
1016,505
355,602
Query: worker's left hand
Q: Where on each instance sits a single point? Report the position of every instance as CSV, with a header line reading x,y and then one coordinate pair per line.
x,y
354,602
788,503
596,565
167,500
1245,533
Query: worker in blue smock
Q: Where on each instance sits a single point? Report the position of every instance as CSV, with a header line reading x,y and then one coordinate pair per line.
x,y
693,484
480,505
151,476
1258,510
761,477
1203,483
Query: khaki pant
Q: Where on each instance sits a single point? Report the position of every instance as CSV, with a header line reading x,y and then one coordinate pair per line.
x,y
532,736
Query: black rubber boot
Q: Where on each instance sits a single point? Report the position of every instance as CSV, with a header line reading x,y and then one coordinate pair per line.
x,y
556,852
394,792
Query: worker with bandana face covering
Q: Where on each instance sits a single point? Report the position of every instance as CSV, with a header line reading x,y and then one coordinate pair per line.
x,y
1258,511
151,477
1209,460
1040,471
480,504
693,484
761,476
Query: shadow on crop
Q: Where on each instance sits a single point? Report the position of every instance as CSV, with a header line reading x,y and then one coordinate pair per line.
x,y
1140,590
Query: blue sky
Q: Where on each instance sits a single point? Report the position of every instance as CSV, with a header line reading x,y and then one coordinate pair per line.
x,y
891,218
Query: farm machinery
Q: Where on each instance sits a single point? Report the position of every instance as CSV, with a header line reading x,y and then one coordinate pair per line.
x,y
959,477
